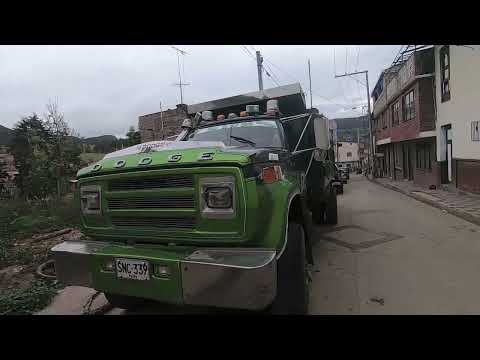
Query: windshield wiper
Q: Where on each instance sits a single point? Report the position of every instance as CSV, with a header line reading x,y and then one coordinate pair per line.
x,y
243,140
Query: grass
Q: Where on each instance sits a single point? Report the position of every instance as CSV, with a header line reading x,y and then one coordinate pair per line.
x,y
30,300
20,220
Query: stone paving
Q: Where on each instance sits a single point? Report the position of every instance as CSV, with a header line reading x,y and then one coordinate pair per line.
x,y
461,204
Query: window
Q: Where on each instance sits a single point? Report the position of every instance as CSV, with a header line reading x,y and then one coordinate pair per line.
x,y
445,73
475,131
396,113
424,156
384,117
255,133
349,154
409,106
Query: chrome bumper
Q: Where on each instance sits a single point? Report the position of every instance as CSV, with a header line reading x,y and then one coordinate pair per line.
x,y
231,278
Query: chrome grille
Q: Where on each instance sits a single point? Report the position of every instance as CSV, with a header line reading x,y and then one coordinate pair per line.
x,y
155,222
171,202
160,182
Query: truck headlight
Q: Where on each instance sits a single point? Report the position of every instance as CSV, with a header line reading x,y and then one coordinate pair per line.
x,y
217,197
91,199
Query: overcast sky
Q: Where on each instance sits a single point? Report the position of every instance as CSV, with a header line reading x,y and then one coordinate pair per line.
x,y
103,89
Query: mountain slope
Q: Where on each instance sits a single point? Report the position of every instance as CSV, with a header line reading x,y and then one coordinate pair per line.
x,y
5,135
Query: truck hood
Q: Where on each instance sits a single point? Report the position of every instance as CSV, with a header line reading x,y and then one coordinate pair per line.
x,y
160,154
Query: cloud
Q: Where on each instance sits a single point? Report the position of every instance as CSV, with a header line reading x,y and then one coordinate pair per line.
x,y
103,89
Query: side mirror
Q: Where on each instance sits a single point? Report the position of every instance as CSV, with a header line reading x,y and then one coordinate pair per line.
x,y
322,133
187,124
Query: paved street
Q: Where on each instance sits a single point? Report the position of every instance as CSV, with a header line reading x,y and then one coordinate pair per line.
x,y
389,254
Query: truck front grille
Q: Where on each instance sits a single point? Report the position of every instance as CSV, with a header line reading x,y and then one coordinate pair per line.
x,y
166,181
171,202
155,222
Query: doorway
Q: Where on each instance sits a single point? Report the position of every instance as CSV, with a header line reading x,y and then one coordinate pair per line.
x,y
448,136
405,160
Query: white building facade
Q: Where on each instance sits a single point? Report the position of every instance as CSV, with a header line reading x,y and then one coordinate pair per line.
x,y
457,94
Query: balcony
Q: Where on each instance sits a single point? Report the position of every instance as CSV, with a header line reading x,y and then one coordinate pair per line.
x,y
419,63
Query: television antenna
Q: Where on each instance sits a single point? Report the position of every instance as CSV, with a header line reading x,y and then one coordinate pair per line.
x,y
180,84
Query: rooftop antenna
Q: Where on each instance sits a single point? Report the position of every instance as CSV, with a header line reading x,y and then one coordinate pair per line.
x,y
180,84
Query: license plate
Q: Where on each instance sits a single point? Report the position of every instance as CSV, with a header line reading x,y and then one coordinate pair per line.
x,y
132,269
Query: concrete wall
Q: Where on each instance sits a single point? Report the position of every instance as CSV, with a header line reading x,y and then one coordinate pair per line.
x,y
462,108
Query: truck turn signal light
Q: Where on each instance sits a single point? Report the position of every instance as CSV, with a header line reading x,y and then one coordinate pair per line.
x,y
272,174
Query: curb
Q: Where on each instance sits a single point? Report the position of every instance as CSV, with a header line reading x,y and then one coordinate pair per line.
x,y
458,213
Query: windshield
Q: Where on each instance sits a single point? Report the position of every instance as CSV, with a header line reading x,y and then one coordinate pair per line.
x,y
257,133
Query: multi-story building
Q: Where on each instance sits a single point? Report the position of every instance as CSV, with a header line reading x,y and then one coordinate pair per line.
x,y
348,155
404,117
457,78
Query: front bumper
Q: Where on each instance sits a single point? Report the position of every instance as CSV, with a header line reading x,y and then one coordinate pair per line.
x,y
239,278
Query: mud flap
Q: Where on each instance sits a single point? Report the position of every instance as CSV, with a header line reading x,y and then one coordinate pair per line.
x,y
307,217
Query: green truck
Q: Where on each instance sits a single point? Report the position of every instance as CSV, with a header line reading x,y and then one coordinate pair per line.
x,y
220,217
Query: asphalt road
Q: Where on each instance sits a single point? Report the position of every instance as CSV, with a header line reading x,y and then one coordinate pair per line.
x,y
389,254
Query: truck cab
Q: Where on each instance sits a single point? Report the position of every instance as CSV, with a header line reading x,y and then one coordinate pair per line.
x,y
220,217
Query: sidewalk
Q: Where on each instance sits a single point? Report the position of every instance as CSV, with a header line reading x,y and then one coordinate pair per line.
x,y
465,206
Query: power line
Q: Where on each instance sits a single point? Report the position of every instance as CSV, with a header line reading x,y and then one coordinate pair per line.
x,y
358,57
346,55
294,78
249,54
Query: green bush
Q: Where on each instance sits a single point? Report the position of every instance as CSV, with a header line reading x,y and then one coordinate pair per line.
x,y
27,301
21,219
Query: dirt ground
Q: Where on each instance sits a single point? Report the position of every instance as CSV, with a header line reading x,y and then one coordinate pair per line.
x,y
21,273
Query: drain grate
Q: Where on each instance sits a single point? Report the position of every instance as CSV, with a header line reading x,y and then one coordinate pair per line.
x,y
356,237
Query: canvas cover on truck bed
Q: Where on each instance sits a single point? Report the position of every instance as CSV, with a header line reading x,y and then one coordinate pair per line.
x,y
291,101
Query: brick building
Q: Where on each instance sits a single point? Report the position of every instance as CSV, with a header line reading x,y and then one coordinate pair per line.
x,y
161,125
458,133
404,117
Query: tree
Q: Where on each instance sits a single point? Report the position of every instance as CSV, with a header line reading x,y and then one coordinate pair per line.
x,y
45,153
64,152
3,177
30,148
133,136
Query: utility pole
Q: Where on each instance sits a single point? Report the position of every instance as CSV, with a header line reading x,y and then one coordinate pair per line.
x,y
180,84
310,79
370,153
259,69
161,120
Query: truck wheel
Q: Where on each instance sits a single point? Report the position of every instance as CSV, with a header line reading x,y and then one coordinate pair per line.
x,y
123,301
332,211
318,214
292,278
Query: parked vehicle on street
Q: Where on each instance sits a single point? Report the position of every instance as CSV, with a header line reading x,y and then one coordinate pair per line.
x,y
220,217
338,183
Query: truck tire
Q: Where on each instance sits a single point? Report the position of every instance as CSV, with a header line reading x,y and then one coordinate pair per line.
x,y
123,301
292,278
332,211
318,214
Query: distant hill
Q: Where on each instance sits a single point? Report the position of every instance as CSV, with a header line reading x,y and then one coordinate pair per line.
x,y
5,135
103,142
347,128
103,139
352,122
